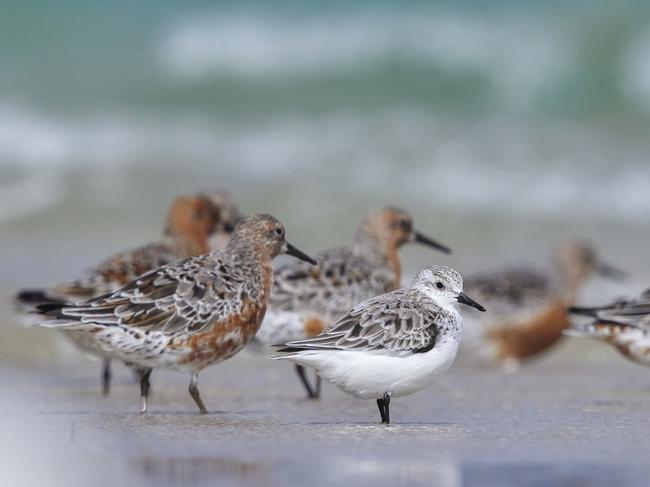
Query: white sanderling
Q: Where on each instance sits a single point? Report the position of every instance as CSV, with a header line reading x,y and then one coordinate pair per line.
x,y
305,298
623,324
187,315
527,307
391,345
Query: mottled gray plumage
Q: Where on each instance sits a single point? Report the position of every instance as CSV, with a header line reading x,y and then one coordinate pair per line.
x,y
513,292
393,344
344,277
189,314
405,320
527,306
183,298
624,324
630,312
190,221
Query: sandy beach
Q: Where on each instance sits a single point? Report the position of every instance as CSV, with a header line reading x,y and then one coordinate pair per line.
x,y
505,128
556,422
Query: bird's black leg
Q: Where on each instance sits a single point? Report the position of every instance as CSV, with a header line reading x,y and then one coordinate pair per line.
x,y
194,392
382,412
106,377
387,408
318,385
144,388
300,370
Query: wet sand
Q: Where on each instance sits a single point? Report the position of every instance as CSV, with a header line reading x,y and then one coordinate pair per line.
x,y
577,417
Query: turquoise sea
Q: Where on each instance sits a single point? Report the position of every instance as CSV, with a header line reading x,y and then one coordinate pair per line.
x,y
504,126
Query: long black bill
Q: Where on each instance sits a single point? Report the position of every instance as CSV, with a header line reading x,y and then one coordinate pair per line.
x,y
465,299
610,272
424,240
291,250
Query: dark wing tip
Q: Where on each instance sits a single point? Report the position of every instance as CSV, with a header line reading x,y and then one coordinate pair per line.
x,y
31,296
49,308
289,350
285,348
576,310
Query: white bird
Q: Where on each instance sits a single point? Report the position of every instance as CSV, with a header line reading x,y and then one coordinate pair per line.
x,y
306,298
391,345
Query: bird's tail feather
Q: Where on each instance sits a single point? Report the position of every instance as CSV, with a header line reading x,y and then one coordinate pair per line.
x,y
29,300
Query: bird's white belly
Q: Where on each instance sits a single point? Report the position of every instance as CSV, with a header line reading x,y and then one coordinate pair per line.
x,y
369,375
634,343
280,327
145,349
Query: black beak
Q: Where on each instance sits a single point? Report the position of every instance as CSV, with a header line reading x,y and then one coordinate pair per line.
x,y
465,299
294,252
610,272
429,242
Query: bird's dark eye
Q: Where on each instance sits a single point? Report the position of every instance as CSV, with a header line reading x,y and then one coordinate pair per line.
x,y
279,231
440,285
405,224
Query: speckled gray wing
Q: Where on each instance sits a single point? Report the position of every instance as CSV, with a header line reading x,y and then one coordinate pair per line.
x,y
183,298
341,280
116,271
633,312
511,295
401,321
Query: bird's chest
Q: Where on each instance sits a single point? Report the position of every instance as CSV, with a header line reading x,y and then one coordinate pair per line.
x,y
230,333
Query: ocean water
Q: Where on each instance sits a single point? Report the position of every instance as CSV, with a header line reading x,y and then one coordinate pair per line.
x,y
506,127
514,123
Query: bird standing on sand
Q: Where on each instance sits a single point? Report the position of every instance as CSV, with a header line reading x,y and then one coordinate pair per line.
x,y
623,324
305,298
187,315
191,220
391,345
527,307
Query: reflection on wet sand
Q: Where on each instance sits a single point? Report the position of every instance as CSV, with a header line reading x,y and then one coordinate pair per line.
x,y
175,470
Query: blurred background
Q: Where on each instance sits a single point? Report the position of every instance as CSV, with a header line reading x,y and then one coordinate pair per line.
x,y
505,128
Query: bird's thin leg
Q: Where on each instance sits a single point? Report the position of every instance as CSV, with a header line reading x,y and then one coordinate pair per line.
x,y
194,392
106,376
144,388
387,407
382,412
300,370
318,385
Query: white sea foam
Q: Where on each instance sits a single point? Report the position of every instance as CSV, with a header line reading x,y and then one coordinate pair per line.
x,y
210,45
493,166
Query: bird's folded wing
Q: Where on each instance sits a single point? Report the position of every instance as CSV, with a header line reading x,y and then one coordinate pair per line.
x,y
185,297
341,280
114,272
633,312
391,322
